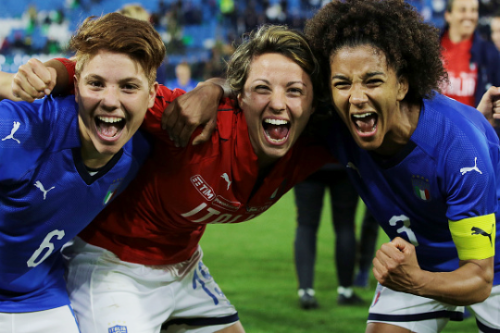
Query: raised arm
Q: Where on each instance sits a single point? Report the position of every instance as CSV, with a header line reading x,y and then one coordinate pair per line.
x,y
34,80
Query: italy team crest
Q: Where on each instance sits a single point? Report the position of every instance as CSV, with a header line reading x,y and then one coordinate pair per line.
x,y
111,192
421,187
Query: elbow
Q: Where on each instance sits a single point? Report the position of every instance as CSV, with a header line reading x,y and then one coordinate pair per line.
x,y
484,293
480,281
479,295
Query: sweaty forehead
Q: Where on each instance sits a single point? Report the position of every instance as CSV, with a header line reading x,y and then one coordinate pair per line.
x,y
105,63
274,65
361,56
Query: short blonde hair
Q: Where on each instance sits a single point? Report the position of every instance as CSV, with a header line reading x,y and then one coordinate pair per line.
x,y
115,32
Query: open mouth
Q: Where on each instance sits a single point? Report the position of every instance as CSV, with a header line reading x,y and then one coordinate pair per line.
x,y
109,127
365,123
276,130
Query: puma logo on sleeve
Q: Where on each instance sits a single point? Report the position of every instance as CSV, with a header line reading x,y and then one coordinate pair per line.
x,y
479,231
469,169
12,132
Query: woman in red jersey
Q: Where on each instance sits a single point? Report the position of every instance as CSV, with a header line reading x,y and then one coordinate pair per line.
x,y
138,264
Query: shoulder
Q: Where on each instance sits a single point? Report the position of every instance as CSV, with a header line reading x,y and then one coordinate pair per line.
x,y
230,118
448,116
165,96
40,118
138,147
448,128
29,131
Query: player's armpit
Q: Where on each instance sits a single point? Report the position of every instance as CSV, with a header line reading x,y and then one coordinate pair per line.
x,y
474,237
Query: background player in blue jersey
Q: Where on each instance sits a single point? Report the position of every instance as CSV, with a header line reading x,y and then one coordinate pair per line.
x,y
63,159
425,165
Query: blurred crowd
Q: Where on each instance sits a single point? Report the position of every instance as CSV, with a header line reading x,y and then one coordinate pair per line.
x,y
200,33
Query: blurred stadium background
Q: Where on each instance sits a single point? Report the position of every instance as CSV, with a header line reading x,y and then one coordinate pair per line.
x,y
199,32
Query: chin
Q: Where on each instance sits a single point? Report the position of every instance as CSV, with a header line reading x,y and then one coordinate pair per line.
x,y
366,145
276,153
108,149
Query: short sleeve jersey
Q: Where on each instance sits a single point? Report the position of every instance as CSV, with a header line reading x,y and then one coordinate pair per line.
x,y
447,172
161,217
47,197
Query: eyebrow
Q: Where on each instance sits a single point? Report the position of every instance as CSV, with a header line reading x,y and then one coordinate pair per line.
x,y
124,80
288,83
367,75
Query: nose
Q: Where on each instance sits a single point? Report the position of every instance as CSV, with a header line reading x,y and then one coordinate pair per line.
x,y
278,101
358,95
110,99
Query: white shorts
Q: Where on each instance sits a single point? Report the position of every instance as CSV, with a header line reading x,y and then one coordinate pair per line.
x,y
425,315
58,320
488,312
113,296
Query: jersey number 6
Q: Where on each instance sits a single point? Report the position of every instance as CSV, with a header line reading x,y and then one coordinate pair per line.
x,y
46,244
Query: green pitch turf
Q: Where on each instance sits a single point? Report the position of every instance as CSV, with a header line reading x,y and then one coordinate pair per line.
x,y
253,264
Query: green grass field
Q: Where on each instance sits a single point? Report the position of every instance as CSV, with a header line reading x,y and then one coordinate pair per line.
x,y
253,264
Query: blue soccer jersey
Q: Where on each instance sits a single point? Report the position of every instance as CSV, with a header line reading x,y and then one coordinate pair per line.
x,y
447,172
47,197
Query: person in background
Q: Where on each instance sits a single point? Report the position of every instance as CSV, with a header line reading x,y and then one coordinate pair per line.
x,y
366,249
470,61
309,196
135,11
495,29
183,78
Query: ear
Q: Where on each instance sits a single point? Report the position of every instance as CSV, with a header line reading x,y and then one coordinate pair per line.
x,y
152,95
75,84
447,16
239,98
403,87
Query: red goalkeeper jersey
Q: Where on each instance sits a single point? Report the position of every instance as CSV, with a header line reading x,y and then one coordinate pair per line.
x,y
160,218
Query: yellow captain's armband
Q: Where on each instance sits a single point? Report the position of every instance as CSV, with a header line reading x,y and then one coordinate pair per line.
x,y
474,237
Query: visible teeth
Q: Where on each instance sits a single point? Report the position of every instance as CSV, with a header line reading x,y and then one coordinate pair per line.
x,y
110,119
362,115
276,140
276,121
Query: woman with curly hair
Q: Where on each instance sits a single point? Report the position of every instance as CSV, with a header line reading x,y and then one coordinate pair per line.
x,y
424,164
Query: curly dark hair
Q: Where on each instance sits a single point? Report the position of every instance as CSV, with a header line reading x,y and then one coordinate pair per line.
x,y
411,46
